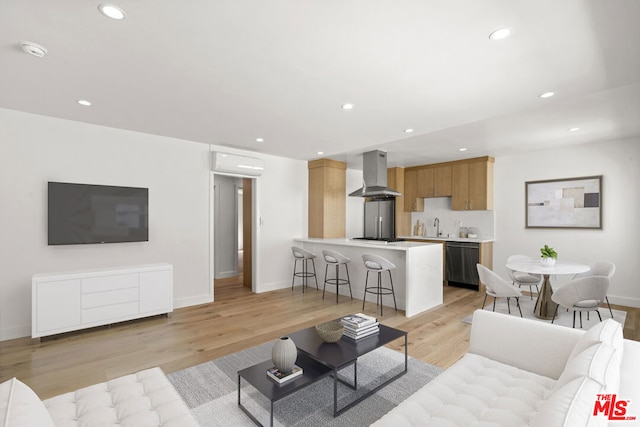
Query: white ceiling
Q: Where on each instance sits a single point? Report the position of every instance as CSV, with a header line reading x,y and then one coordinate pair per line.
x,y
228,71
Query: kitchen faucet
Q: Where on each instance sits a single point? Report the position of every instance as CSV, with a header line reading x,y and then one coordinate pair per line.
x,y
436,223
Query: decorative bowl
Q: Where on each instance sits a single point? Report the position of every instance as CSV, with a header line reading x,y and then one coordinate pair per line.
x,y
330,331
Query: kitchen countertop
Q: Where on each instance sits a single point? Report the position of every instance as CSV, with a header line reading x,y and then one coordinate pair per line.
x,y
399,246
451,239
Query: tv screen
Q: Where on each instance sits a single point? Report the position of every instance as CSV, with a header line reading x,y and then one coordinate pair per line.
x,y
83,213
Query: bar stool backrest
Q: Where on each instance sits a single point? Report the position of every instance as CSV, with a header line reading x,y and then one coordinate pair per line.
x,y
334,257
301,253
377,263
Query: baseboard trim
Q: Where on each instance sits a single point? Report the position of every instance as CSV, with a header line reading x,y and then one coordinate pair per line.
x,y
188,302
627,302
274,286
15,332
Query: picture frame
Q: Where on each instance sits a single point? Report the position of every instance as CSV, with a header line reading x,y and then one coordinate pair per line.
x,y
564,203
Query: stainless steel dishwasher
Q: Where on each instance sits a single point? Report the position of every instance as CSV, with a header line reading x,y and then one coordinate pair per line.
x,y
462,258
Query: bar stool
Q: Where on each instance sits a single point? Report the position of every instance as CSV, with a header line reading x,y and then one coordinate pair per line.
x,y
378,265
304,256
337,259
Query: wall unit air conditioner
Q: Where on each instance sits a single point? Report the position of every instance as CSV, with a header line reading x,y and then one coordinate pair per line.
x,y
237,165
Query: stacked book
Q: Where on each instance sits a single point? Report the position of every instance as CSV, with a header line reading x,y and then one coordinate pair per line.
x,y
360,325
281,377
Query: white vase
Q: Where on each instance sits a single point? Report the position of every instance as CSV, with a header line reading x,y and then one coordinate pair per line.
x,y
548,262
284,354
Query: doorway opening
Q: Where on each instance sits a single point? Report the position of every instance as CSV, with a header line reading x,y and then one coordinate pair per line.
x,y
233,233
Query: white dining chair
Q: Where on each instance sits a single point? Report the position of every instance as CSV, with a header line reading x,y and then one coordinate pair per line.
x,y
600,268
582,294
497,287
523,279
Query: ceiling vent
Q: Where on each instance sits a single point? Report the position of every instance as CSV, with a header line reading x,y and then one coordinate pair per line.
x,y
237,165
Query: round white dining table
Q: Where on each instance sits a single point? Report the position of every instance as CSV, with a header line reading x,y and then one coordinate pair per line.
x,y
545,307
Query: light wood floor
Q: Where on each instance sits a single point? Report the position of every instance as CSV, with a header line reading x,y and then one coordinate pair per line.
x,y
237,320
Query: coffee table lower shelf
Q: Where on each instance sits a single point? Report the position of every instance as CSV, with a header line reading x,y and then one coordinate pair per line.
x,y
256,375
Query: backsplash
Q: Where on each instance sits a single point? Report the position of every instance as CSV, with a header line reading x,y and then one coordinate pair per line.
x,y
440,207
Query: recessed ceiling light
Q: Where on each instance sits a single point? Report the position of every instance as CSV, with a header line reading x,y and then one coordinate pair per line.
x,y
111,11
547,95
320,152
462,149
347,106
573,129
84,102
33,49
259,139
500,34
408,130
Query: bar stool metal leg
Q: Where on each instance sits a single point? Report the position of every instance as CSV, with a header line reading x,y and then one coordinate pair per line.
x,y
364,297
346,267
337,281
393,292
380,292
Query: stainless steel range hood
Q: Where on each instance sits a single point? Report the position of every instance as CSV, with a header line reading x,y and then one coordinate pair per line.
x,y
374,174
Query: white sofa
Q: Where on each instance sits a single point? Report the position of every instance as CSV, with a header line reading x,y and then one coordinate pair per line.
x,y
144,399
526,372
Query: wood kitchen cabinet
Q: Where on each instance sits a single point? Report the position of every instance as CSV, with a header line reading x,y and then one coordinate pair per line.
x,y
472,185
413,202
327,198
434,181
395,181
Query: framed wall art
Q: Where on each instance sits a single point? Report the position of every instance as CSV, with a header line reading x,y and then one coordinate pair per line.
x,y
564,203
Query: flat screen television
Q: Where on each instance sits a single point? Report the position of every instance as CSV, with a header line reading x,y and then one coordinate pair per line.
x,y
84,213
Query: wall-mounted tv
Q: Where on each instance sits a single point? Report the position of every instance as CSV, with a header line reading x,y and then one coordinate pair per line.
x,y
84,213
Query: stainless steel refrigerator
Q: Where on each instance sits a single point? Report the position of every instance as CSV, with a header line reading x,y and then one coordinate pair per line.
x,y
379,219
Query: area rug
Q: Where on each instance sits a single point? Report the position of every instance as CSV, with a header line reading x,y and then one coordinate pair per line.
x,y
564,317
210,390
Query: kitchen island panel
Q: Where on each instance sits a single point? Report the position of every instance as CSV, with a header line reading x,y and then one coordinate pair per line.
x,y
417,278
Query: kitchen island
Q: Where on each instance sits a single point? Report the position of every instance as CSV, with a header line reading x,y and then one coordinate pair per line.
x,y
417,278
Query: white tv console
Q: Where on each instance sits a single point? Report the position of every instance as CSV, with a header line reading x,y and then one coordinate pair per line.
x,y
68,301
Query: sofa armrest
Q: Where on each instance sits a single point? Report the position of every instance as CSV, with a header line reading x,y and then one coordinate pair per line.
x,y
629,374
531,345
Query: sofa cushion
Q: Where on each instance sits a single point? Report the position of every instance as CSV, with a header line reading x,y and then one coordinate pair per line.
x,y
592,371
600,362
474,391
146,398
570,405
608,331
20,406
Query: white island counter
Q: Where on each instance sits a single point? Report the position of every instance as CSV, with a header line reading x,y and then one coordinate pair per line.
x,y
417,278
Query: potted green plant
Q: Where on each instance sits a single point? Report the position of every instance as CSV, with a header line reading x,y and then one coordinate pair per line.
x,y
549,256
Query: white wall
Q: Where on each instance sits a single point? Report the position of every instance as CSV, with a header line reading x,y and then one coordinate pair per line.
x,y
619,163
282,203
35,149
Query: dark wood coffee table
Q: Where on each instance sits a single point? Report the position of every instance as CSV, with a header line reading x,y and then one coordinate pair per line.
x,y
319,359
345,353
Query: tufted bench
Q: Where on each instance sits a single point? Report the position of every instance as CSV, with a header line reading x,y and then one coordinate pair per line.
x,y
143,399
521,372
